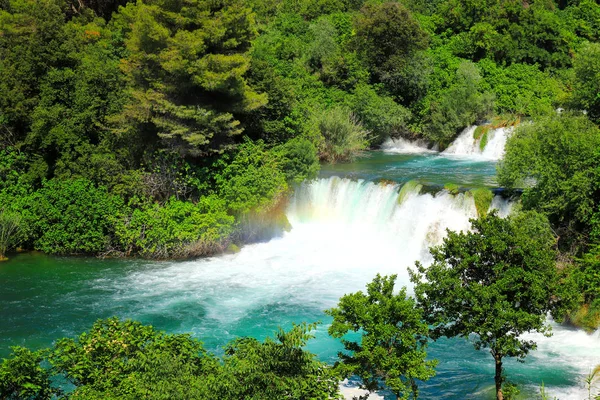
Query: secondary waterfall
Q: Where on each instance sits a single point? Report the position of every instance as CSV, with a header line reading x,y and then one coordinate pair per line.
x,y
465,145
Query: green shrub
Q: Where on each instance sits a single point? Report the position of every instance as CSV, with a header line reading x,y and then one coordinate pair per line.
x,y
555,160
9,227
71,217
298,159
458,106
177,229
252,181
23,377
381,115
344,137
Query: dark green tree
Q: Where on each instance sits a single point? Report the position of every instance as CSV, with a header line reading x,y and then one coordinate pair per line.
x,y
492,285
186,68
556,161
393,338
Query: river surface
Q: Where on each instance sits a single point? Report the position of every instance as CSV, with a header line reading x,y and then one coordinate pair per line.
x,y
347,226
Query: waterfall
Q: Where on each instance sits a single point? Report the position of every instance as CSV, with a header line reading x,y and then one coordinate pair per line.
x,y
465,145
343,233
404,146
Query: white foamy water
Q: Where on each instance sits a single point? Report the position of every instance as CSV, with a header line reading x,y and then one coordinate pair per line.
x,y
404,146
466,146
344,232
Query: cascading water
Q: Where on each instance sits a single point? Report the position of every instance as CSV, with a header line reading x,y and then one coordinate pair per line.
x,y
404,146
465,145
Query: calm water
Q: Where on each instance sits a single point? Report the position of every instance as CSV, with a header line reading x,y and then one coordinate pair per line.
x,y
344,232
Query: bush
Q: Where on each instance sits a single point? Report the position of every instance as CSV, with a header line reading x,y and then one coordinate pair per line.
x,y
298,159
379,114
22,376
252,181
522,89
177,229
71,217
9,227
343,135
556,161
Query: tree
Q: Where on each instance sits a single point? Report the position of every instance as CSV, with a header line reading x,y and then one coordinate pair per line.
x,y
186,70
279,369
387,34
556,161
393,338
587,79
492,284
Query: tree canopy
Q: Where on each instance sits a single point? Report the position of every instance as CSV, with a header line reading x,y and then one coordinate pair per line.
x,y
493,284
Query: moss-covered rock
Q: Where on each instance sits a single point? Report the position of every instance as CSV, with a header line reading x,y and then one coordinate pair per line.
x,y
232,248
587,316
453,188
483,200
408,188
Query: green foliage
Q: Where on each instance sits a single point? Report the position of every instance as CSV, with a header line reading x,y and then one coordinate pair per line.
x,y
344,137
382,116
492,285
175,230
509,32
522,89
277,369
252,181
125,359
587,79
29,45
71,217
23,377
555,160
186,70
10,224
483,200
458,106
393,338
298,159
387,35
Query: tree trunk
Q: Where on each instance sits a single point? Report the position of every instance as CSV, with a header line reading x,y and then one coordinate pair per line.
x,y
498,377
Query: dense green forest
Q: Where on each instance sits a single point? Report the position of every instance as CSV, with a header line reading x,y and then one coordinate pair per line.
x,y
178,128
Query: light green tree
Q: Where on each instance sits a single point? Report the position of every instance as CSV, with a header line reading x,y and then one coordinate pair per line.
x,y
393,338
